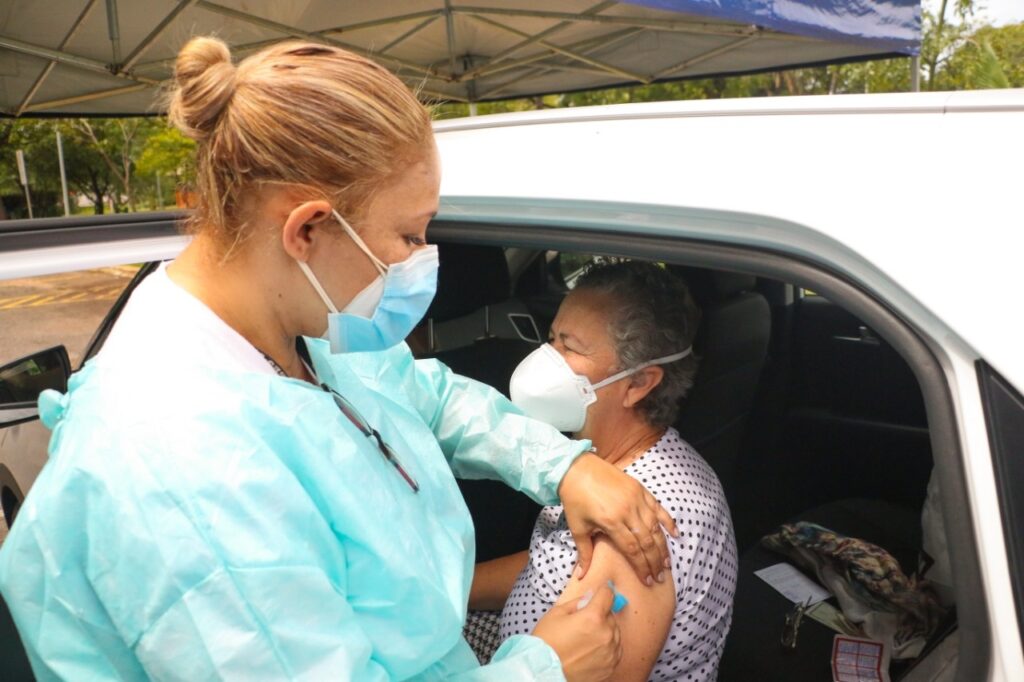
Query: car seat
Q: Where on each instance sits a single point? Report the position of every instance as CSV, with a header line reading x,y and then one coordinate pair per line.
x,y
732,344
472,282
752,649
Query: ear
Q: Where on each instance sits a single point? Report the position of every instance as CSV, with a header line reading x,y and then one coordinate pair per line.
x,y
641,384
304,226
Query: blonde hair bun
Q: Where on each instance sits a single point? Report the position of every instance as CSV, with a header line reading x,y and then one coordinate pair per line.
x,y
205,79
303,114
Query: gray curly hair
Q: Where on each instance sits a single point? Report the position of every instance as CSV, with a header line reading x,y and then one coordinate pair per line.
x,y
653,315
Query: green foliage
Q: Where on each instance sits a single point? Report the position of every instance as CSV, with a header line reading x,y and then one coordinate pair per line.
x,y
36,139
169,153
101,158
990,58
988,71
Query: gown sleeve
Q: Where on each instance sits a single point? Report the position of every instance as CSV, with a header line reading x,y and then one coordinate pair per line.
x,y
483,435
522,657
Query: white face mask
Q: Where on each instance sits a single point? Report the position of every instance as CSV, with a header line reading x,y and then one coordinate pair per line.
x,y
545,387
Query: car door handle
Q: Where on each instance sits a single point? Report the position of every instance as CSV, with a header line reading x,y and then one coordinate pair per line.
x,y
866,337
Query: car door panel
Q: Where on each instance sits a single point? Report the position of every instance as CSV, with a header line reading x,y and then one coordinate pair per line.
x,y
855,421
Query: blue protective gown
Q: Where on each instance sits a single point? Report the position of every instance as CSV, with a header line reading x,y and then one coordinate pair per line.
x,y
196,522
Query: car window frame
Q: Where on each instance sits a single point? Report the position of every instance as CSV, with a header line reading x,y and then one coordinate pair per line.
x,y
974,655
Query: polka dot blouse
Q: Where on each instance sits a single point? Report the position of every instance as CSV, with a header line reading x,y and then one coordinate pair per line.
x,y
703,561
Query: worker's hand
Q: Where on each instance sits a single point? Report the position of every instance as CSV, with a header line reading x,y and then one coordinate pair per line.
x,y
584,634
599,497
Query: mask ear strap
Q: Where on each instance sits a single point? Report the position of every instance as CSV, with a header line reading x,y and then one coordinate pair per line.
x,y
381,268
643,365
316,285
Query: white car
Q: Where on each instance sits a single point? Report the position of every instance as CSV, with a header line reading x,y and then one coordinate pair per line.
x,y
855,258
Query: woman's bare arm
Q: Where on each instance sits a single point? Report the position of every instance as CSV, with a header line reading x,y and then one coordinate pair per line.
x,y
493,581
645,621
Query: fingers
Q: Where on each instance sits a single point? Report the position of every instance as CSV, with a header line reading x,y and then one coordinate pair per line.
x,y
644,546
616,640
628,543
601,600
585,552
664,518
652,545
653,524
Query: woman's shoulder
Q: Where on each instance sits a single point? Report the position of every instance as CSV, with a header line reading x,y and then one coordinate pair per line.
x,y
114,418
671,457
678,477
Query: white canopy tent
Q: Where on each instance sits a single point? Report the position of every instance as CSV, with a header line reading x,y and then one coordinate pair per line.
x,y
110,57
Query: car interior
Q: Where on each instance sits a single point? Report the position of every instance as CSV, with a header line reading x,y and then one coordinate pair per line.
x,y
804,412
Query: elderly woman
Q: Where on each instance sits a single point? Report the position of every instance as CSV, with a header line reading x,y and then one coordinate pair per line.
x,y
617,364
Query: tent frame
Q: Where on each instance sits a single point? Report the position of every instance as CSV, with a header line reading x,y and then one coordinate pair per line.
x,y
416,75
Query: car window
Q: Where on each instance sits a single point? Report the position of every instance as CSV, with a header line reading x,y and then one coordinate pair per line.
x,y
571,266
1004,414
63,309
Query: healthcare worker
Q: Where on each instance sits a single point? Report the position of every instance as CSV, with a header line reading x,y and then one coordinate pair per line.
x,y
229,495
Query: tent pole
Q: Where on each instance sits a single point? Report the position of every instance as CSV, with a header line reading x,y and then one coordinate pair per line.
x,y
63,175
584,46
49,67
600,42
692,61
697,28
114,31
66,58
19,156
449,20
915,73
431,16
155,33
88,97
604,66
309,35
408,34
600,7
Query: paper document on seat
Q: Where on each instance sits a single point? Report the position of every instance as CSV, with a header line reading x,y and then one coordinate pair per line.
x,y
792,584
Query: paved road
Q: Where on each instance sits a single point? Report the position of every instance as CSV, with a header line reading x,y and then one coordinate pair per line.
x,y
39,312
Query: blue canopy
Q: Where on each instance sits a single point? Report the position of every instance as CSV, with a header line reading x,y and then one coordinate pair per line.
x,y
893,25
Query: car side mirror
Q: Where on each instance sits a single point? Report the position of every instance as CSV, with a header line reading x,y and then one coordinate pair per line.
x,y
23,380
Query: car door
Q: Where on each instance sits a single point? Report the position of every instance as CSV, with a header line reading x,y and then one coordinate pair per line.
x,y
76,330
855,409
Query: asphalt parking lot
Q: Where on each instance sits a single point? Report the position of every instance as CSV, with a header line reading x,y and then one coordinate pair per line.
x,y
40,312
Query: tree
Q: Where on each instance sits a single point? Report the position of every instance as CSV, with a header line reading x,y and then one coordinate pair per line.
x,y
87,171
36,140
168,154
118,142
989,57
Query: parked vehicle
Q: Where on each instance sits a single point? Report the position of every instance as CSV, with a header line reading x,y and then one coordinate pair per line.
x,y
855,259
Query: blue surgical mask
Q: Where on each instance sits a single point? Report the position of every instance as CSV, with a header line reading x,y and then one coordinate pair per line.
x,y
386,310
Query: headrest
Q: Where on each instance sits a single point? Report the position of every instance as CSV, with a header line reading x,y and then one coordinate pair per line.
x,y
728,284
708,286
470,277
